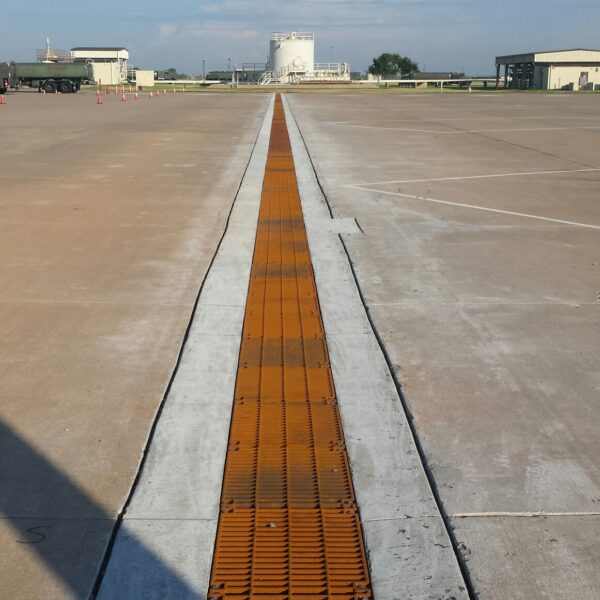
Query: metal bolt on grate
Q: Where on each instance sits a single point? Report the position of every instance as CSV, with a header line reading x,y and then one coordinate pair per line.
x,y
289,526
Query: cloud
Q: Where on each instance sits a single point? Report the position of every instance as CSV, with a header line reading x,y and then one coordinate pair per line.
x,y
167,30
337,13
221,30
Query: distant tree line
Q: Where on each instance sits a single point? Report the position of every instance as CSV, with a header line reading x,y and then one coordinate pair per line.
x,y
390,65
171,73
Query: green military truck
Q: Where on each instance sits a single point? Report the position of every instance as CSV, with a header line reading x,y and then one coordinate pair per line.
x,y
50,77
5,77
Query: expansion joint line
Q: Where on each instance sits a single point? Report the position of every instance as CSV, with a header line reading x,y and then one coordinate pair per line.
x,y
289,526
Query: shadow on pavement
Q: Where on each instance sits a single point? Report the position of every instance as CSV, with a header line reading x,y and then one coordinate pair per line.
x,y
65,528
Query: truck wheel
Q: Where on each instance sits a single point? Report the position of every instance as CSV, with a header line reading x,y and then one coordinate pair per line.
x,y
49,87
66,87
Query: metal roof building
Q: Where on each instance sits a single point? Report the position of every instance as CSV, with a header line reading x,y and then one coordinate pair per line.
x,y
109,64
577,69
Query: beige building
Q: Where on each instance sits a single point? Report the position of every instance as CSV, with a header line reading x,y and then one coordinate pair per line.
x,y
109,65
144,78
576,69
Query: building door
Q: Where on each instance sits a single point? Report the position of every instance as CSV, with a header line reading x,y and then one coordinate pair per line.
x,y
583,79
541,72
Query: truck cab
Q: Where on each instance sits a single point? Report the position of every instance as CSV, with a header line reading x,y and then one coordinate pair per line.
x,y
5,77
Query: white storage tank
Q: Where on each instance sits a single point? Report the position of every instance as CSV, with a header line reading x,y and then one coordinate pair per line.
x,y
292,52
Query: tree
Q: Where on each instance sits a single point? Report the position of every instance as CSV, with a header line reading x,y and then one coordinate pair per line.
x,y
171,73
388,65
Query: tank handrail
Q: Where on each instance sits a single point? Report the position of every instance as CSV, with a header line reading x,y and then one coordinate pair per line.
x,y
296,35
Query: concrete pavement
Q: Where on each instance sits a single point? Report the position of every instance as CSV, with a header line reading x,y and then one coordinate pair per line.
x,y
472,226
491,318
109,218
175,505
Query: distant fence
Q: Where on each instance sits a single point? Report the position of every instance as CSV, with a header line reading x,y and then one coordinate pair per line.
x,y
416,83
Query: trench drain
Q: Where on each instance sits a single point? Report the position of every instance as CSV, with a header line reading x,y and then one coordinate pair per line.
x,y
289,526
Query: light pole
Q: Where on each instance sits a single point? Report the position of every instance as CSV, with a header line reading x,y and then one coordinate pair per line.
x,y
203,70
229,64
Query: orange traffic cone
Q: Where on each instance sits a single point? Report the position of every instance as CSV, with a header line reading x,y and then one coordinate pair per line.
x,y
2,99
99,101
137,96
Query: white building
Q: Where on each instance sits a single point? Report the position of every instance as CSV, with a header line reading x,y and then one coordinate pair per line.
x,y
292,60
109,65
144,78
576,69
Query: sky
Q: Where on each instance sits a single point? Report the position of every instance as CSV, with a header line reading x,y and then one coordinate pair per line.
x,y
440,35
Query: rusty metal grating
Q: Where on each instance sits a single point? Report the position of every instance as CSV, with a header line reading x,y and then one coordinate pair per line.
x,y
289,526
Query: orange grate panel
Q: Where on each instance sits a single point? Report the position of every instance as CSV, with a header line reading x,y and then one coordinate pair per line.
x,y
289,525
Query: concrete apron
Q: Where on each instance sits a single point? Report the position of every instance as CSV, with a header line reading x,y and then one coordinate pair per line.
x,y
164,547
409,550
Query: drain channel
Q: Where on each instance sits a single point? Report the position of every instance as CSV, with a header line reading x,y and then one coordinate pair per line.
x,y
289,526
